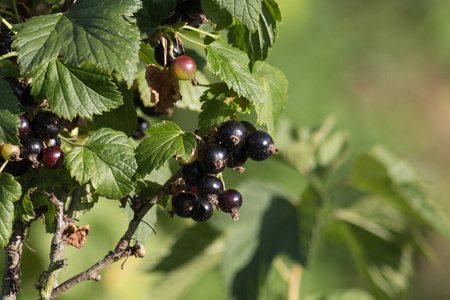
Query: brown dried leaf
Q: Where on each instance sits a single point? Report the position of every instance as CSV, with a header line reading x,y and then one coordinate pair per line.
x,y
163,86
76,235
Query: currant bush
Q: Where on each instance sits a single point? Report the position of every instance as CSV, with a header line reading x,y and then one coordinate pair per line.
x,y
46,124
184,67
185,205
52,157
204,211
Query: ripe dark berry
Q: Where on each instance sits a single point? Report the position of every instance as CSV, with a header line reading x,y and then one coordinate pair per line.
x,y
142,124
230,201
24,127
210,188
259,145
185,204
162,50
192,173
56,141
232,135
184,67
248,126
214,159
10,152
236,159
5,43
31,150
16,87
204,212
52,157
46,125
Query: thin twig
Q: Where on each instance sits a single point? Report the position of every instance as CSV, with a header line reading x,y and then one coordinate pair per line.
x,y
56,251
11,281
123,248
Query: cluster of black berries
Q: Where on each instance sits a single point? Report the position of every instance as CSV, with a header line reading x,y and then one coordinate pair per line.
x,y
40,143
233,143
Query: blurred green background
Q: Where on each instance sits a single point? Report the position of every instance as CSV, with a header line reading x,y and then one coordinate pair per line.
x,y
382,68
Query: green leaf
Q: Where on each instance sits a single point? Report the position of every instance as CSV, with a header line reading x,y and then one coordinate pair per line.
x,y
232,66
215,108
9,109
193,241
81,200
23,209
106,161
72,91
10,191
123,118
259,236
245,12
381,173
387,267
191,94
41,203
274,84
92,30
257,44
146,54
162,142
310,223
152,14
219,18
349,294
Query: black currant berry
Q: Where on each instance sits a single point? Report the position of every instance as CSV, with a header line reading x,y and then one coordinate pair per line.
x,y
56,141
214,159
248,126
232,135
204,212
230,201
184,67
46,125
185,204
5,43
31,150
142,124
210,188
236,159
24,127
52,157
16,86
192,173
162,50
259,145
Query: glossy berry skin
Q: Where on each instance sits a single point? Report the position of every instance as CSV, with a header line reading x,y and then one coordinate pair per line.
x,y
32,145
142,124
209,187
24,127
232,135
184,67
229,200
5,43
52,157
16,87
159,53
259,145
56,141
10,152
185,205
214,159
248,126
204,212
192,173
236,158
46,125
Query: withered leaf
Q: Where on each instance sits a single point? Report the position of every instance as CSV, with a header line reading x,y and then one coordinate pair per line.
x,y
163,86
76,235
